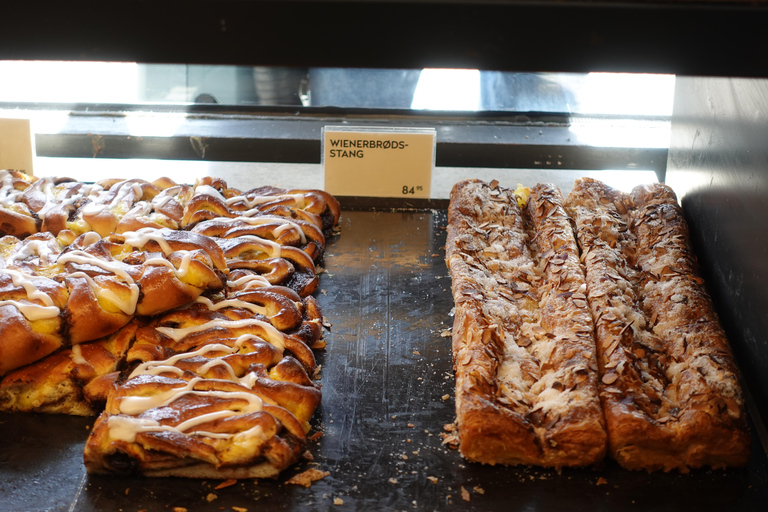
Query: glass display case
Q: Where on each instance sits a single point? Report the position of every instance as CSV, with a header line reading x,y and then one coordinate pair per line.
x,y
519,91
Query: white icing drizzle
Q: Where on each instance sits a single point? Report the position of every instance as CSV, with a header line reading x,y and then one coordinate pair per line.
x,y
98,197
286,224
93,208
126,306
256,211
207,190
135,405
77,355
160,200
127,427
285,227
45,186
259,200
84,258
32,312
183,266
39,248
250,281
92,191
273,336
231,303
273,248
167,365
33,293
90,238
123,189
8,194
142,208
141,237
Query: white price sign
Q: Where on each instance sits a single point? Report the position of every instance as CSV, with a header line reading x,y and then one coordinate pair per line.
x,y
378,162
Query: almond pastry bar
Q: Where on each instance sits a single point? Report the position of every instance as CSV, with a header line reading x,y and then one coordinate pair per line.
x,y
669,386
524,352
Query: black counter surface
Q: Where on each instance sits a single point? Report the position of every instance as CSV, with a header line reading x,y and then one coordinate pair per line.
x,y
387,393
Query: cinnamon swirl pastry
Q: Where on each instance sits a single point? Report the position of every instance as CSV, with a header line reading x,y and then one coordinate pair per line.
x,y
186,311
226,402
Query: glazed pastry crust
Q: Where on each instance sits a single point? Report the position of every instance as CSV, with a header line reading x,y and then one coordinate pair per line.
x,y
193,299
669,386
523,348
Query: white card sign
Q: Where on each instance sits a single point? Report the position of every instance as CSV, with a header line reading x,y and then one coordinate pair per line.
x,y
16,145
378,162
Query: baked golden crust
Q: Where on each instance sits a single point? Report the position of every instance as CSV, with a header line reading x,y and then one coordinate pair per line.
x,y
669,385
522,336
72,381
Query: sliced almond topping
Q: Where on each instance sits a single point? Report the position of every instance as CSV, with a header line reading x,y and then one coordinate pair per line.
x,y
626,327
580,303
523,342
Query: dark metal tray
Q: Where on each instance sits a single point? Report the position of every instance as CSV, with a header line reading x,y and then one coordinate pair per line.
x,y
387,392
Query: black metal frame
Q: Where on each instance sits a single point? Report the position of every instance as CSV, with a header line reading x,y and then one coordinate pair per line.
x,y
684,38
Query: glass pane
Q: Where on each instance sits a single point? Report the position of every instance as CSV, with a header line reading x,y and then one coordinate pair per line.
x,y
427,89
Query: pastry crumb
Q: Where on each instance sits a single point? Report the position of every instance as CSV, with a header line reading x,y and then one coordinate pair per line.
x,y
306,478
338,501
226,483
393,480
433,479
601,481
464,494
211,496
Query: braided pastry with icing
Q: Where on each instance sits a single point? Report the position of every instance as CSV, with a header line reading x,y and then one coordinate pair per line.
x,y
252,401
105,300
